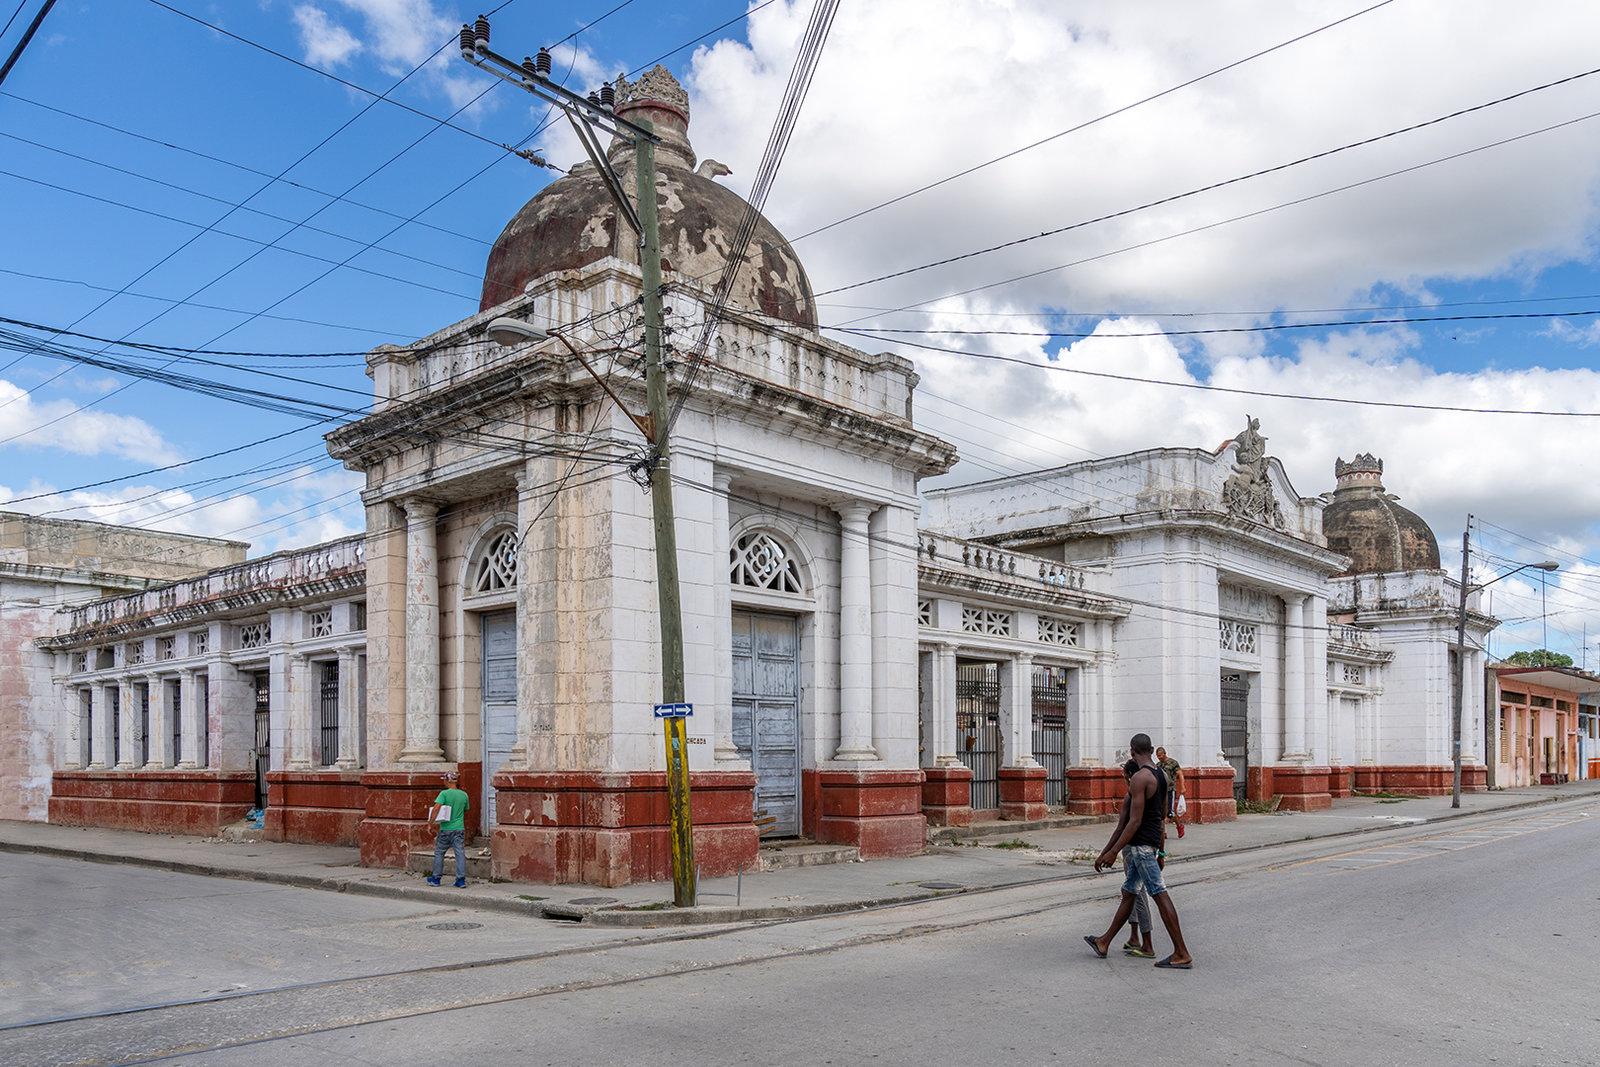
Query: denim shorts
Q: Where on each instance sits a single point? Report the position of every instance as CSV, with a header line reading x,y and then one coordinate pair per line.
x,y
1139,863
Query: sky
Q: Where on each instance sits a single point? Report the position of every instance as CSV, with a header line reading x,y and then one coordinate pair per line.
x,y
1371,225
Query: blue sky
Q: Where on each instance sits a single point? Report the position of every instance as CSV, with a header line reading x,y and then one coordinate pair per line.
x,y
166,183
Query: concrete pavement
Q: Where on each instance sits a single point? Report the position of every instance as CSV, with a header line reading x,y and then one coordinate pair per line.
x,y
991,855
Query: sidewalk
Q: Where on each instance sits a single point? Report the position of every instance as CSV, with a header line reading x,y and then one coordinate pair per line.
x,y
974,861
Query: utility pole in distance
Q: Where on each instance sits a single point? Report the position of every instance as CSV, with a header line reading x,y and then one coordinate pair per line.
x,y
586,114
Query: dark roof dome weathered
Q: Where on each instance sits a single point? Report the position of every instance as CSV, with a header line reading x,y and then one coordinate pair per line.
x,y
1366,524
573,223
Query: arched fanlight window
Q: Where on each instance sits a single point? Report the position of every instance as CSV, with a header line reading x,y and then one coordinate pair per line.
x,y
497,568
762,561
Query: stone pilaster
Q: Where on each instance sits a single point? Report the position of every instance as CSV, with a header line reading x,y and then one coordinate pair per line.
x,y
1016,710
103,727
723,749
129,727
422,634
1294,679
193,728
349,721
302,691
855,636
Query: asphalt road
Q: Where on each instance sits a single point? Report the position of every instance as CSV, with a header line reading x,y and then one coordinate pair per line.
x,y
1471,942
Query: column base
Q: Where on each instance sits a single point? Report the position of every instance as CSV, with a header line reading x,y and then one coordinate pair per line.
x,y
1022,792
1095,790
614,829
396,820
947,795
421,755
1299,787
877,811
1208,792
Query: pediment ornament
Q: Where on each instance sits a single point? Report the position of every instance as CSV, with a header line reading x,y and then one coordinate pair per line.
x,y
1248,490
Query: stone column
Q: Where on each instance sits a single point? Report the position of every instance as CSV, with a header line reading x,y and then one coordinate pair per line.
x,y
944,706
1098,746
300,749
129,726
189,705
422,634
100,730
155,688
855,636
1294,678
349,723
1016,709
723,750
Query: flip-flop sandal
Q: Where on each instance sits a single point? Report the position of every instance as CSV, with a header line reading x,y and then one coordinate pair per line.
x,y
1168,965
1141,953
1089,940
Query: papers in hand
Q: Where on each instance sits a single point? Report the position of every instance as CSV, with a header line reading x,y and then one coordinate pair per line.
x,y
443,814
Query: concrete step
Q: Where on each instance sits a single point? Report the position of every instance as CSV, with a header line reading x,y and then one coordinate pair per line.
x,y
787,855
1000,827
420,861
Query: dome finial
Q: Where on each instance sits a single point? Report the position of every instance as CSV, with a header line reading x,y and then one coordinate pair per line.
x,y
1364,470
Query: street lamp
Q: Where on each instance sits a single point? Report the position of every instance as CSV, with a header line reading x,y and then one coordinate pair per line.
x,y
509,333
1461,661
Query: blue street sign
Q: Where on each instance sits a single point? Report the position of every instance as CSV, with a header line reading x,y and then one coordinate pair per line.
x,y
674,711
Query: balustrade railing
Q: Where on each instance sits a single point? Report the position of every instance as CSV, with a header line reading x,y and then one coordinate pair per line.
x,y
955,553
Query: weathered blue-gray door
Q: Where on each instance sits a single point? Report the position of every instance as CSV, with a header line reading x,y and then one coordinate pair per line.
x,y
499,702
766,712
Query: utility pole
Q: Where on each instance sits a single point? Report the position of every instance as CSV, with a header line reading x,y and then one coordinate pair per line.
x,y
585,115
1461,672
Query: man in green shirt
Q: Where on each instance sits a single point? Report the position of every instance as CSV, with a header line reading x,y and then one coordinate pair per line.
x,y
452,829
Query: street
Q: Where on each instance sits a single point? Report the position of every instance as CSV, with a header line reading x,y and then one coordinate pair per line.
x,y
1463,942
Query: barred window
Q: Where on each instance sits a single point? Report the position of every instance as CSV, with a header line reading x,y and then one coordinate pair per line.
x,y
984,621
760,561
255,634
199,642
166,648
1058,631
328,713
135,653
1353,674
497,569
924,613
80,662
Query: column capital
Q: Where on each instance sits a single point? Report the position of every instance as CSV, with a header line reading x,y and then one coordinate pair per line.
x,y
850,509
419,509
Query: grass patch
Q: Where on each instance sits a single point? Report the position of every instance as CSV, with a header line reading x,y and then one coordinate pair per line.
x,y
525,896
660,905
1259,807
1388,797
1015,842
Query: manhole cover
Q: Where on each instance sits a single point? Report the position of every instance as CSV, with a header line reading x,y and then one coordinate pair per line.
x,y
593,900
941,885
455,926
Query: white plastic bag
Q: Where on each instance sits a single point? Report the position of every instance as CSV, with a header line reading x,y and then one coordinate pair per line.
x,y
1183,806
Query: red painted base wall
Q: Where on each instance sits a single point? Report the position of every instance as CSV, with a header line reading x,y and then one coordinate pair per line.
x,y
320,807
1099,791
1022,793
1419,779
613,829
163,802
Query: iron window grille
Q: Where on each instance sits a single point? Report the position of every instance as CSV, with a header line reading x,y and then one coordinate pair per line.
x,y
329,713
497,569
761,561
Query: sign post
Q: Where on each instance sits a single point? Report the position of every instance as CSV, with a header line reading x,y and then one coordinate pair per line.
x,y
681,827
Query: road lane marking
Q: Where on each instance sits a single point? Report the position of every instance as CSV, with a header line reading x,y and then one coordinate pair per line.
x,y
1365,859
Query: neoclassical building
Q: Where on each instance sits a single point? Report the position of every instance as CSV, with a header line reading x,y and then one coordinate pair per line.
x,y
864,659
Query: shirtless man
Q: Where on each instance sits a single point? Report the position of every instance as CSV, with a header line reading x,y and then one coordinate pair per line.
x,y
1138,838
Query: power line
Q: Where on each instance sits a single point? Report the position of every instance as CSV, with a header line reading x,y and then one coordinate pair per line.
x,y
1162,201
1091,122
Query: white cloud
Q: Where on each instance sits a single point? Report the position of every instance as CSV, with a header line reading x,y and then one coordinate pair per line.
x,y
327,44
63,424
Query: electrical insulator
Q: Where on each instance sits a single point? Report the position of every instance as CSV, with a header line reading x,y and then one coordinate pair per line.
x,y
480,33
608,96
466,40
594,98
529,68
542,61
